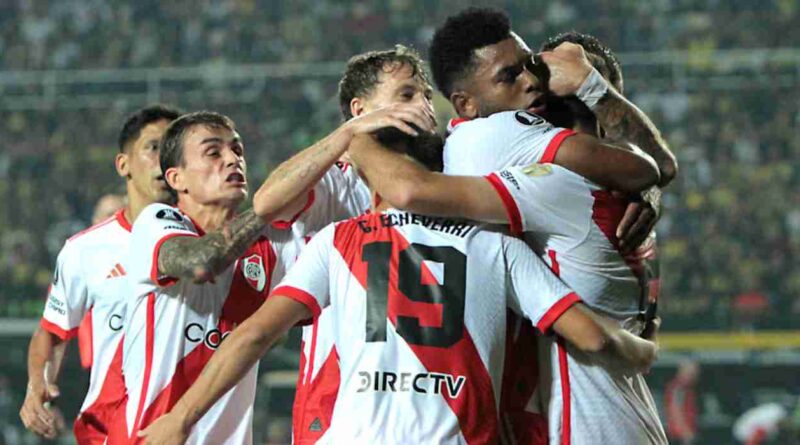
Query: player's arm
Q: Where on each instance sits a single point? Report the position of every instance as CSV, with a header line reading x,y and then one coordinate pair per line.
x,y
202,258
45,355
571,73
238,353
551,305
407,184
593,333
284,192
280,197
66,305
613,166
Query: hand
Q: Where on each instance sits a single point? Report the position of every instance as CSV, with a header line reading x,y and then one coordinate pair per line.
x,y
635,227
568,67
36,416
399,116
167,429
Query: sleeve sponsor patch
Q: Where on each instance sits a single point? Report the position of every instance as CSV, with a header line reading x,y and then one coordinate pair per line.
x,y
169,214
535,170
525,118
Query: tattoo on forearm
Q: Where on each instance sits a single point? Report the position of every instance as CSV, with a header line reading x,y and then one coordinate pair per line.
x,y
202,258
622,120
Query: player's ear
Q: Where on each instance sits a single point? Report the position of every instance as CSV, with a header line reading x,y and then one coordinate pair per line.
x,y
464,104
356,106
174,179
121,164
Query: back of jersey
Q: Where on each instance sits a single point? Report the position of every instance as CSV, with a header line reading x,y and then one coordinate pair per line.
x,y
419,314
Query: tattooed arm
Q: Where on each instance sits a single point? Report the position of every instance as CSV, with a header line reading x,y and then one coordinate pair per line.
x,y
202,258
281,195
622,120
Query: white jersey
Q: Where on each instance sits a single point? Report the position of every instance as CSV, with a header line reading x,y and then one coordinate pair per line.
x,y
479,146
90,281
418,310
174,326
341,194
571,223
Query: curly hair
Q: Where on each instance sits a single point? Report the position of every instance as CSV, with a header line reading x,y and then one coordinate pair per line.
x,y
454,43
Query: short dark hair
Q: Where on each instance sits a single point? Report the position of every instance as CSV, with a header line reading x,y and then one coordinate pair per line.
x,y
138,120
427,148
609,67
454,43
362,72
170,152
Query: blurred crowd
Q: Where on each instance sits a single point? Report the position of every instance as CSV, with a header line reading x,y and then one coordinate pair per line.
x,y
730,233
117,33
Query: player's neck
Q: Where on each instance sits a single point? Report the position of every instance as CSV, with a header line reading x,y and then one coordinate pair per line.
x,y
136,203
208,216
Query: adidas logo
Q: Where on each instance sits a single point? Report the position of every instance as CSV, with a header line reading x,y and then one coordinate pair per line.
x,y
116,271
316,425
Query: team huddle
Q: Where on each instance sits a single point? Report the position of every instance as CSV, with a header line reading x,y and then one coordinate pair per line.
x,y
488,287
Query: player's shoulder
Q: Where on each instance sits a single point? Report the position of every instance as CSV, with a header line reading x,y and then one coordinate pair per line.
x,y
160,212
110,230
518,119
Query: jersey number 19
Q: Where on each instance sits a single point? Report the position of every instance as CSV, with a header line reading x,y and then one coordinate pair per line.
x,y
449,293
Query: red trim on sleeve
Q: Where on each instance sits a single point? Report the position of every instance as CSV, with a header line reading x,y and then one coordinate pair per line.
x,y
512,211
283,225
166,281
300,296
123,222
57,330
554,145
556,310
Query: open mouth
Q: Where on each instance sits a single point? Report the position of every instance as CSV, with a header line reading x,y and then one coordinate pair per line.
x,y
236,178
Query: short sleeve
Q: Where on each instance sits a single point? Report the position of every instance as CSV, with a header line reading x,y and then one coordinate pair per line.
x,y
544,198
537,293
339,195
68,297
308,280
480,146
155,225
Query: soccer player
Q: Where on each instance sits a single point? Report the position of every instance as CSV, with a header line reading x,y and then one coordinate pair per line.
x,y
199,269
570,222
371,80
418,306
89,282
